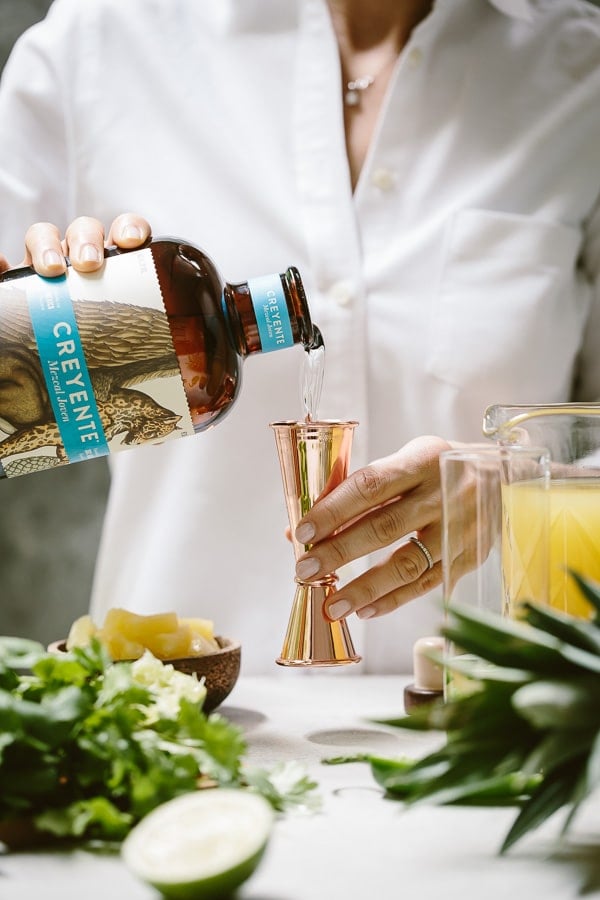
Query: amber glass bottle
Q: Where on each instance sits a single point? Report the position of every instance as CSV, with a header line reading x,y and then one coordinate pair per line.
x,y
150,348
214,326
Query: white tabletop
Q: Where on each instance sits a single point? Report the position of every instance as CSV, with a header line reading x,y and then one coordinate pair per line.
x,y
360,846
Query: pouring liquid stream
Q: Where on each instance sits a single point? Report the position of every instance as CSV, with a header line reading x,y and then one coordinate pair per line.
x,y
313,371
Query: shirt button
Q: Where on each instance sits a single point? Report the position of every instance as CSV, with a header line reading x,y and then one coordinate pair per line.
x,y
383,179
342,293
415,58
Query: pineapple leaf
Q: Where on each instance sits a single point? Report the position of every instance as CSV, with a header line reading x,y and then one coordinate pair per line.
x,y
555,749
523,726
554,792
558,704
564,627
516,644
591,592
593,765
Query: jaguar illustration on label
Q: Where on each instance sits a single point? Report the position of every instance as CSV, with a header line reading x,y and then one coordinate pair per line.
x,y
87,366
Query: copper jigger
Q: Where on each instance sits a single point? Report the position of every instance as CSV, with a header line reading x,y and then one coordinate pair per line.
x,y
314,458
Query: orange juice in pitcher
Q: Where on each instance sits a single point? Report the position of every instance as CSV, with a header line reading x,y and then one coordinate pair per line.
x,y
573,508
571,432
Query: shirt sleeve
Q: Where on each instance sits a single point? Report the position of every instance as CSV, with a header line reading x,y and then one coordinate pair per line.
x,y
587,384
34,142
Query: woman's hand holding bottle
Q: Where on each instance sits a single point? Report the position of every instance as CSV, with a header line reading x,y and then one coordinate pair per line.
x,y
84,243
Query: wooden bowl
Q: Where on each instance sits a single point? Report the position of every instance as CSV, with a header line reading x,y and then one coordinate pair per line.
x,y
220,669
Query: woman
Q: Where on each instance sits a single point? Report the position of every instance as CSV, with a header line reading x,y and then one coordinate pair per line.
x,y
433,174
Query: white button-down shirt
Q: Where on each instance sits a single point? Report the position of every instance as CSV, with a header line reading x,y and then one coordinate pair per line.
x,y
460,273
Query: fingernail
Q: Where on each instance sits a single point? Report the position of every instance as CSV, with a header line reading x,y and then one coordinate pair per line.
x,y
131,233
89,253
52,258
307,567
366,612
338,609
304,533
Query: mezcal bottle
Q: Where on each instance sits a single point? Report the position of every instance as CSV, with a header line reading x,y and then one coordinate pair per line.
x,y
148,349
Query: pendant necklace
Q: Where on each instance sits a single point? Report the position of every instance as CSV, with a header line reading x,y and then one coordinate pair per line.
x,y
354,89
357,86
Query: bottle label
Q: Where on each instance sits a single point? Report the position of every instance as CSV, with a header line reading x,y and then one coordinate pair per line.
x,y
272,317
87,366
63,365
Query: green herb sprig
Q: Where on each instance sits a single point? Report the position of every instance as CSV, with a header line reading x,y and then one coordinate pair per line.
x,y
86,749
526,733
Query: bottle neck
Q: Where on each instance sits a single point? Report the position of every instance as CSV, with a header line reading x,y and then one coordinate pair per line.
x,y
268,313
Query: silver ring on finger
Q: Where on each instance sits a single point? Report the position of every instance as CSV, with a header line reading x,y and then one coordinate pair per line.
x,y
424,551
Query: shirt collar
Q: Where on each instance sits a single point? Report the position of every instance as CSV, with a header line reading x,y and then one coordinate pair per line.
x,y
518,9
236,15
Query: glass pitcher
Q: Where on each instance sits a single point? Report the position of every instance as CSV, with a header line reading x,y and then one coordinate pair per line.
x,y
571,433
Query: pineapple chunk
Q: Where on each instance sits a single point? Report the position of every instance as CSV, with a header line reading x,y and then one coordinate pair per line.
x,y
171,645
203,636
81,632
203,627
138,628
201,645
126,635
119,647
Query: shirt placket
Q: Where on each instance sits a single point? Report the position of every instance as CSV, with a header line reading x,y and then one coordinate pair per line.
x,y
328,215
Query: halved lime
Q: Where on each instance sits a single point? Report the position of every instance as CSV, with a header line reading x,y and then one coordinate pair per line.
x,y
201,845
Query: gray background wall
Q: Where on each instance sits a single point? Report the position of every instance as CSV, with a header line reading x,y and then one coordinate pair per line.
x,y
49,522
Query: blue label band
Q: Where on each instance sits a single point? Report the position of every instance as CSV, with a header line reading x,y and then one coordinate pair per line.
x,y
65,370
272,317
